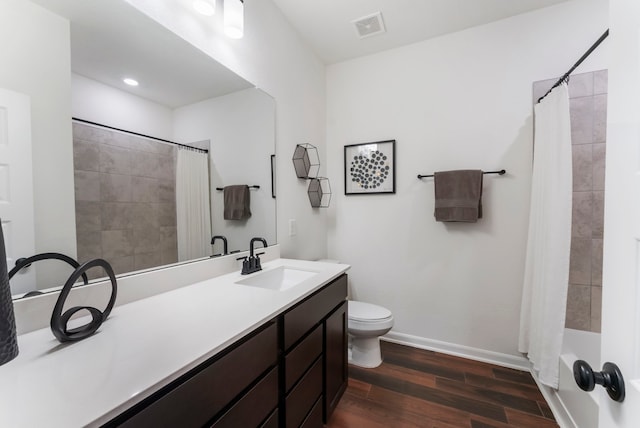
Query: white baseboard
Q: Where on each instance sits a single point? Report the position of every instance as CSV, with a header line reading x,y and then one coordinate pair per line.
x,y
497,358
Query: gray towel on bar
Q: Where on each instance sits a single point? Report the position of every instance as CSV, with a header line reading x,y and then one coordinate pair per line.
x,y
237,202
458,195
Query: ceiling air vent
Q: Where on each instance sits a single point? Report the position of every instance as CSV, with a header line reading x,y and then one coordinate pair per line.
x,y
369,25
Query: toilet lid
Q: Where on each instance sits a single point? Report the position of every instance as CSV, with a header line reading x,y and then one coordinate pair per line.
x,y
361,311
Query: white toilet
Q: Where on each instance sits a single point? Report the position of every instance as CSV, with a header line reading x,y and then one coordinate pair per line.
x,y
367,322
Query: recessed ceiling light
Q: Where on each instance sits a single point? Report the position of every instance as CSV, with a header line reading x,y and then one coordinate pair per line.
x,y
206,8
130,82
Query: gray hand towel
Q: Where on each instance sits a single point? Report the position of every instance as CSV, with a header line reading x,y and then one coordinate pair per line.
x,y
237,202
458,195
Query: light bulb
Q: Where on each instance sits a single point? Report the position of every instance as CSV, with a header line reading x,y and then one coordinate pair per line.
x,y
234,18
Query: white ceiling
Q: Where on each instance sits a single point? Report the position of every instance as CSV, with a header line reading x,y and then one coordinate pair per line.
x,y
111,40
327,24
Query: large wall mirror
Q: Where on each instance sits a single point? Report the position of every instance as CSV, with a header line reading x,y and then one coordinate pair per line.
x,y
110,184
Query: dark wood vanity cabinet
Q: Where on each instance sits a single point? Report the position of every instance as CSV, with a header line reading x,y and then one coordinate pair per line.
x,y
315,339
291,372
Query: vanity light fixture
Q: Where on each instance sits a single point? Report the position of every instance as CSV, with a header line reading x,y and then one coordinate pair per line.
x,y
204,7
234,18
129,81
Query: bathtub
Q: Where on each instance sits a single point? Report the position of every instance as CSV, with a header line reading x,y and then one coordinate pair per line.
x,y
580,407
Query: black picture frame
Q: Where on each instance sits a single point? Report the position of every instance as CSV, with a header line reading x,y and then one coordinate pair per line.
x,y
370,168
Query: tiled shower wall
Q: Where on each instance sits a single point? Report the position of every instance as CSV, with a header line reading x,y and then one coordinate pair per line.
x,y
125,199
588,104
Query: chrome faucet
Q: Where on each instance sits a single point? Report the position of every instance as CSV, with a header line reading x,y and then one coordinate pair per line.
x,y
251,264
224,244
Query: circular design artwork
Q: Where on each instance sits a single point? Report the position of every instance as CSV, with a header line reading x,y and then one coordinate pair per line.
x,y
369,171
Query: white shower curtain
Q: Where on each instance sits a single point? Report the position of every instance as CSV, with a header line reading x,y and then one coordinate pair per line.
x,y
546,276
193,212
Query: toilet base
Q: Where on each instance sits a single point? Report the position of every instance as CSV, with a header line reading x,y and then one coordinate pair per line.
x,y
365,351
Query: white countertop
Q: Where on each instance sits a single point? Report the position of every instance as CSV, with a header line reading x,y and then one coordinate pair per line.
x,y
141,347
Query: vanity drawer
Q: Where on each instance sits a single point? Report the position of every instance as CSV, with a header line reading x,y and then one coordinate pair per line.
x,y
304,395
314,419
272,421
254,406
311,311
198,398
302,356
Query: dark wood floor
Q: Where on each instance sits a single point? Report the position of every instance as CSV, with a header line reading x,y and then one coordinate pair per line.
x,y
417,388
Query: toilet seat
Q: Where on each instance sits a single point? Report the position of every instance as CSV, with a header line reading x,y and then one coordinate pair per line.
x,y
367,312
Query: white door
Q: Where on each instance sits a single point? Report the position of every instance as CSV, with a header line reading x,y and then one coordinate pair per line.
x,y
621,267
16,184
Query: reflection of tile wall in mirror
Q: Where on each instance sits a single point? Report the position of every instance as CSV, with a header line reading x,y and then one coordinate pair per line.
x,y
125,199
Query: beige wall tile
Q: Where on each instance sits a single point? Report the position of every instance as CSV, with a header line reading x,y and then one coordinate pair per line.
x,y
87,185
88,216
600,82
145,216
86,156
598,214
582,215
582,168
89,245
596,309
115,188
144,189
596,262
169,240
581,85
167,191
117,215
600,118
147,260
599,164
121,264
116,244
145,164
167,214
579,307
580,261
115,160
581,120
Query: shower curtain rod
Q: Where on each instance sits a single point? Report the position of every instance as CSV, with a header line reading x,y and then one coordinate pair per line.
x,y
565,77
197,149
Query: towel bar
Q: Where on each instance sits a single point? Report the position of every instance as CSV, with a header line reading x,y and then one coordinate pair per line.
x,y
250,187
501,172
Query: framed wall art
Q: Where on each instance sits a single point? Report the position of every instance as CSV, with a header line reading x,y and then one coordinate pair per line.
x,y
370,168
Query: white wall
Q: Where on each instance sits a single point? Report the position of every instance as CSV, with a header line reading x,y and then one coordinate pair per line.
x,y
240,127
272,56
461,101
36,61
100,103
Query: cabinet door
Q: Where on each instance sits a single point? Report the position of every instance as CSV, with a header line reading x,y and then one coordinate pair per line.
x,y
335,359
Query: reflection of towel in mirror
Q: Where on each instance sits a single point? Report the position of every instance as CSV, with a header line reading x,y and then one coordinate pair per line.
x,y
237,202
458,195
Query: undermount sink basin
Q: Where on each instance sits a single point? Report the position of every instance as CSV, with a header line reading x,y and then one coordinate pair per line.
x,y
279,279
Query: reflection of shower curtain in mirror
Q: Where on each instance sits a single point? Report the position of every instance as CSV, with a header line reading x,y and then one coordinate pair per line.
x,y
193,212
